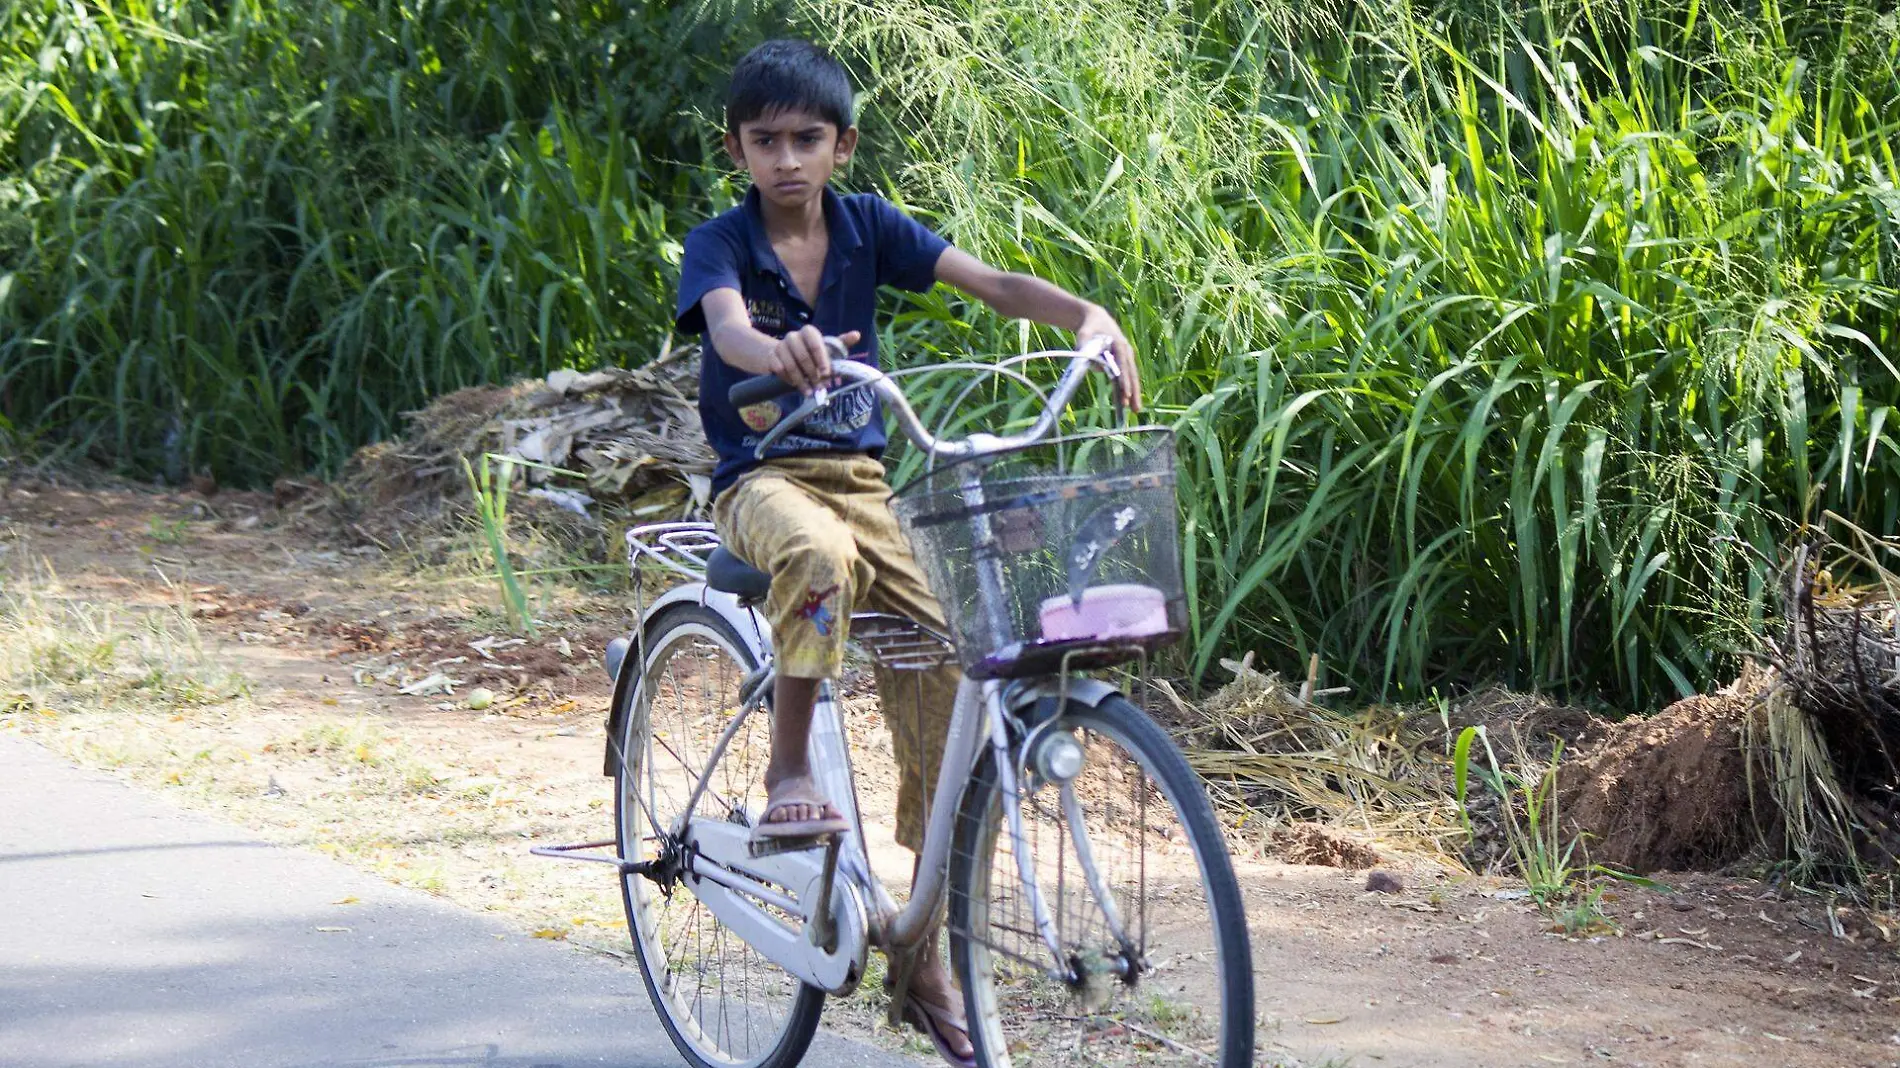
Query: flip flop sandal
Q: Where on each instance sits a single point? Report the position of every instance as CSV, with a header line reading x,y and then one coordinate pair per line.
x,y
767,827
931,1020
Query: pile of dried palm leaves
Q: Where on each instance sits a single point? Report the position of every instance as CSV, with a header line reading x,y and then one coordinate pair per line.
x,y
1830,730
604,445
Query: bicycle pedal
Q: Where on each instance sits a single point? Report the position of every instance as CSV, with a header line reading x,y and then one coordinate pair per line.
x,y
768,847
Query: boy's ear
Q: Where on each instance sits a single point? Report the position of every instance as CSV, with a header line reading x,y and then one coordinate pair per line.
x,y
847,144
735,149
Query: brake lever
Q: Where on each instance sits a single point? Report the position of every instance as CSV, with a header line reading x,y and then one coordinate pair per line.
x,y
817,399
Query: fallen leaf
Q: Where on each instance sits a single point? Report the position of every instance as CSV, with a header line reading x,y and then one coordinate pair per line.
x,y
550,933
333,930
1324,1019
350,900
434,684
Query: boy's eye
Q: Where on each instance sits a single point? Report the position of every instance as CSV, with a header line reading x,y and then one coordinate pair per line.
x,y
808,139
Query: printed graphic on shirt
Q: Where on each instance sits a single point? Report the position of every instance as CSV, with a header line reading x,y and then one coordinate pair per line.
x,y
817,610
848,413
760,417
767,316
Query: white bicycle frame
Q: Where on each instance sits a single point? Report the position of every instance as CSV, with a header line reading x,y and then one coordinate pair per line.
x,y
843,907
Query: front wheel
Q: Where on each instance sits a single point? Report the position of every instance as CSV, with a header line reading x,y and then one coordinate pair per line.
x,y
1163,974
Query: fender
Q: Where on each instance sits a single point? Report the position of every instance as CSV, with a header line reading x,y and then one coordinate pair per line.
x,y
1089,691
750,626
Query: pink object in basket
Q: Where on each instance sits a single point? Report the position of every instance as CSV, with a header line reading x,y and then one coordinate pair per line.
x,y
1123,611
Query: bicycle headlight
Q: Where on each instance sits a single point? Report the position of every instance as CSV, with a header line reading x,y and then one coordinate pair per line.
x,y
1058,756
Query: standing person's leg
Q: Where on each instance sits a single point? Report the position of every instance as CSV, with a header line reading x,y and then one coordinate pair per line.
x,y
917,707
781,527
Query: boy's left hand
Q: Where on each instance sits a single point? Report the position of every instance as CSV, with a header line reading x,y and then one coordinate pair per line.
x,y
1098,322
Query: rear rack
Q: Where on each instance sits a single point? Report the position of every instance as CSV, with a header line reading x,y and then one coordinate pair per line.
x,y
681,548
900,644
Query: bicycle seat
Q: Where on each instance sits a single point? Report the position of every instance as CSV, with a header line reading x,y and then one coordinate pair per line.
x,y
729,574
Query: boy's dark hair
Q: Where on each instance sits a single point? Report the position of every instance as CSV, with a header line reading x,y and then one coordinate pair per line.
x,y
788,75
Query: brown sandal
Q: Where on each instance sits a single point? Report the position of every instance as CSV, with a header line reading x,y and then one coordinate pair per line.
x,y
767,827
931,1020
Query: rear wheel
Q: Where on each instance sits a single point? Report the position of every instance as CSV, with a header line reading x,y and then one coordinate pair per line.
x,y
1163,975
724,1004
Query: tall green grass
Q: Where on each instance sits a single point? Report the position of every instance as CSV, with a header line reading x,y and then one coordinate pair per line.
x,y
1501,345
1503,340
246,237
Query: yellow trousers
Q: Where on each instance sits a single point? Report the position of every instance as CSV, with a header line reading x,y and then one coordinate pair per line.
x,y
822,527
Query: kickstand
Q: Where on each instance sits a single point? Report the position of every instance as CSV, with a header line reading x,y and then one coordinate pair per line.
x,y
900,967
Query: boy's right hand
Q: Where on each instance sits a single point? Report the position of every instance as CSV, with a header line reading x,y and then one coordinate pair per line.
x,y
800,358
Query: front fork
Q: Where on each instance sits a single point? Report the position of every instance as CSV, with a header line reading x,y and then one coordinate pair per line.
x,y
1014,761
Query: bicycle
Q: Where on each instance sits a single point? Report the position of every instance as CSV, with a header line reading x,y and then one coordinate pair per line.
x,y
1056,801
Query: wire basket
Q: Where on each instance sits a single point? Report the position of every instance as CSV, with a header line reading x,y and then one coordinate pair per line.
x,y
1061,555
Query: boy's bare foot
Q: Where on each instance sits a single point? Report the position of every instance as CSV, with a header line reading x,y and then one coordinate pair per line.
x,y
794,808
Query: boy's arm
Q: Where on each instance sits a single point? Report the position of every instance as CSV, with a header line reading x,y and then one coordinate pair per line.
x,y
1023,296
799,357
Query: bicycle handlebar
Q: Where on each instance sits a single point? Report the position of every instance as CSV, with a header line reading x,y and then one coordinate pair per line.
x,y
766,387
757,389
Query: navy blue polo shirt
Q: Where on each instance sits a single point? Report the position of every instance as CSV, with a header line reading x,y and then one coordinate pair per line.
x,y
872,244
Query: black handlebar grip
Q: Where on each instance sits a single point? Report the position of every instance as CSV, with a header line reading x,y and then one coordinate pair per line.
x,y
756,389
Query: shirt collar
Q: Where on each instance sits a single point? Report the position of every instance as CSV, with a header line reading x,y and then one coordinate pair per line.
x,y
845,238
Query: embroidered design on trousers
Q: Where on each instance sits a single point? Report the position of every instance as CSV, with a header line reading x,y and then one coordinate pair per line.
x,y
815,609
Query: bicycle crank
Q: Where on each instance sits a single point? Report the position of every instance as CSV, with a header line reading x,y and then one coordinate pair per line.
x,y
749,894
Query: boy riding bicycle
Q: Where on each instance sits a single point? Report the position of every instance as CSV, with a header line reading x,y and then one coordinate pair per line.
x,y
766,283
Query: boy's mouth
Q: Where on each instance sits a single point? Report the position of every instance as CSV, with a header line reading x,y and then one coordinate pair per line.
x,y
791,185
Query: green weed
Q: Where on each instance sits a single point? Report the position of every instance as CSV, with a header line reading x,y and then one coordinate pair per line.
x,y
167,532
1556,871
491,508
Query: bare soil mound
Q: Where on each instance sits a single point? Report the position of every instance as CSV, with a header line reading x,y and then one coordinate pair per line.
x,y
1666,793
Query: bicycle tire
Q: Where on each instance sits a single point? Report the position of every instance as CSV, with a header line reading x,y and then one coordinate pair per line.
x,y
666,636
980,833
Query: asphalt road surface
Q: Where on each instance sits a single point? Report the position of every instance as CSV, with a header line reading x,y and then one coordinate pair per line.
x,y
138,935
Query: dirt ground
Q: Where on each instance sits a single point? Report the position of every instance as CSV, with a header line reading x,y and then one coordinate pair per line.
x,y
312,742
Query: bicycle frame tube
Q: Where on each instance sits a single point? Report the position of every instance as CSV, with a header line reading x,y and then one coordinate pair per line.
x,y
976,704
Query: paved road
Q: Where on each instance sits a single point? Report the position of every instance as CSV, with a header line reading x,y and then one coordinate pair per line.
x,y
134,934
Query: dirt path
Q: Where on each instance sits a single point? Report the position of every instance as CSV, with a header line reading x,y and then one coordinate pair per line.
x,y
320,749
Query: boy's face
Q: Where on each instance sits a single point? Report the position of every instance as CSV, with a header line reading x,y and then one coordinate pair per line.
x,y
791,154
